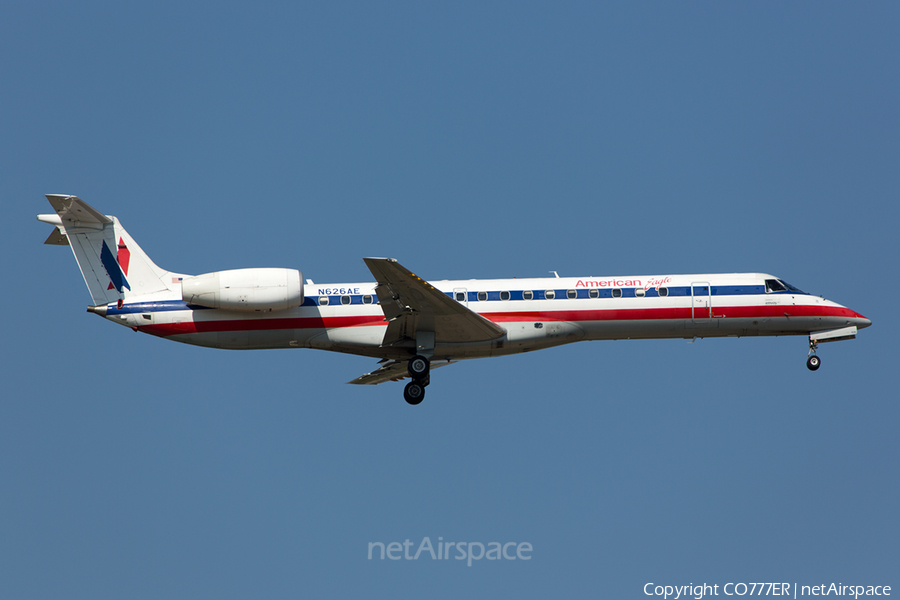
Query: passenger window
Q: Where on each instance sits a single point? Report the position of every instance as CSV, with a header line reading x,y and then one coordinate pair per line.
x,y
571,294
594,293
616,293
527,295
663,292
460,296
323,300
367,299
345,300
504,295
482,296
549,294
639,292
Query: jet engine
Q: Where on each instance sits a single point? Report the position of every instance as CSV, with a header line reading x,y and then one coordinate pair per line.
x,y
247,290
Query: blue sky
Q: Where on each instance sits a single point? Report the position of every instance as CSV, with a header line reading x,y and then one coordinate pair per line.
x,y
467,141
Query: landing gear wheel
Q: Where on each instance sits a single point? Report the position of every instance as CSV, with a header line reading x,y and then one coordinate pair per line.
x,y
414,393
813,362
418,367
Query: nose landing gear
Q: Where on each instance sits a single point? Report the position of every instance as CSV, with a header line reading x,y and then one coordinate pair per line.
x,y
813,362
419,369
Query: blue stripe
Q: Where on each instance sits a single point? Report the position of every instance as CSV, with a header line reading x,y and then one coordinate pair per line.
x,y
336,300
492,296
161,306
584,293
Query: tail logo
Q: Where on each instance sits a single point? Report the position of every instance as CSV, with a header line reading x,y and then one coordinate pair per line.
x,y
116,266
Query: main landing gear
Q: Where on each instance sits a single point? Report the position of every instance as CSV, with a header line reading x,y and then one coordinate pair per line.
x,y
813,362
418,368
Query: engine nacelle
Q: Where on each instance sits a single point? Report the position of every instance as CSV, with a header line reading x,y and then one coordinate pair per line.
x,y
245,289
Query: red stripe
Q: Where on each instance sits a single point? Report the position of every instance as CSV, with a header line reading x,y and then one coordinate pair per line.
x,y
167,329
639,314
632,314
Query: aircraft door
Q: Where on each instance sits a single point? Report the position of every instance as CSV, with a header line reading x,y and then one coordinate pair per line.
x,y
701,301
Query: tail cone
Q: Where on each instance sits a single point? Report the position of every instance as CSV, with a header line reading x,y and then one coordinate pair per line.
x,y
98,310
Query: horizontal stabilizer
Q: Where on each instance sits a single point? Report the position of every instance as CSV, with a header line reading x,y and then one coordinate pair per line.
x,y
74,212
57,238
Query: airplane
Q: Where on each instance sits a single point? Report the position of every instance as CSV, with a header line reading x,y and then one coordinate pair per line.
x,y
413,325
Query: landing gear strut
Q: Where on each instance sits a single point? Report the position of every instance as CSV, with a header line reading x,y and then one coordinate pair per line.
x,y
418,368
813,362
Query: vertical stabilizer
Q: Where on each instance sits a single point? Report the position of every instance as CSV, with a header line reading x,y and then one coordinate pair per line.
x,y
114,267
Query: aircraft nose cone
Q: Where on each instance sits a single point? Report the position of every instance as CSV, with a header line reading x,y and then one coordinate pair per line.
x,y
862,322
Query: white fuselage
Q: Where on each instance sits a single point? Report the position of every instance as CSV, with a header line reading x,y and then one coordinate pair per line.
x,y
535,313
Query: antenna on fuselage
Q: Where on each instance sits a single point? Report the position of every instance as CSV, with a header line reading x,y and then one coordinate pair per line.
x,y
555,273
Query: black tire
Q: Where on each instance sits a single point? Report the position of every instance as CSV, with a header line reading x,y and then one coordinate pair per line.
x,y
418,367
414,393
813,362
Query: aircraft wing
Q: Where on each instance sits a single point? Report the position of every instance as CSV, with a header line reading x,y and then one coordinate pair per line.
x,y
412,305
392,370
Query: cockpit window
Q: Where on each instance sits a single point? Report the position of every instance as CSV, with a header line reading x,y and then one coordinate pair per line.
x,y
779,285
796,290
773,285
